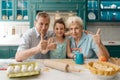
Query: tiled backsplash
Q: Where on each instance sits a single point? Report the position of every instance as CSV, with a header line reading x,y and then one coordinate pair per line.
x,y
6,28
109,31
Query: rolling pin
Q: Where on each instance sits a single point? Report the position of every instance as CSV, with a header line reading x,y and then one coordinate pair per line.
x,y
60,66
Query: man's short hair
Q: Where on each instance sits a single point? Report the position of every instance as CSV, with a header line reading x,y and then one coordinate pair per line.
x,y
43,15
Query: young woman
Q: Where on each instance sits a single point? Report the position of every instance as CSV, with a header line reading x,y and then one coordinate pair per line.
x,y
59,39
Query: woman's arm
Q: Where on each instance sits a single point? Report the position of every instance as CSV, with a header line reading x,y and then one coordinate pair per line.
x,y
102,49
69,52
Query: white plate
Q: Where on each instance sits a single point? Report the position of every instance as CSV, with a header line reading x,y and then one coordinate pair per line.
x,y
91,16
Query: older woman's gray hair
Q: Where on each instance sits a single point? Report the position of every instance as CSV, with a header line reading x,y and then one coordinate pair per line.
x,y
74,19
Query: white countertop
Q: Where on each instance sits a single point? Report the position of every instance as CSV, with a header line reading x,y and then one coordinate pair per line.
x,y
53,74
13,40
111,42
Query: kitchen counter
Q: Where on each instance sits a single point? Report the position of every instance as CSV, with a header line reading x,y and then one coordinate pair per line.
x,y
111,43
13,40
53,74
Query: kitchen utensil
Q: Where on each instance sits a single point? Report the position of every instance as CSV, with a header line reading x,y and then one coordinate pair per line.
x,y
19,17
91,16
4,17
113,6
60,66
78,58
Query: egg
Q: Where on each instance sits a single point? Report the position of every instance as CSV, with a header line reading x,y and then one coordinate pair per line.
x,y
24,68
17,69
37,68
30,68
10,69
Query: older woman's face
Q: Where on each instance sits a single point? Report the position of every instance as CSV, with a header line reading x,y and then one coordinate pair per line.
x,y
75,30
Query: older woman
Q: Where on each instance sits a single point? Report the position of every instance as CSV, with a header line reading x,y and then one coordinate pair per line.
x,y
88,44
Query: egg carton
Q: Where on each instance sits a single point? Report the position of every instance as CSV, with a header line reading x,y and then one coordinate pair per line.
x,y
23,69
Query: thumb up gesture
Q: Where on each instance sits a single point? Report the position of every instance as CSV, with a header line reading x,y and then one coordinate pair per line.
x,y
96,37
43,43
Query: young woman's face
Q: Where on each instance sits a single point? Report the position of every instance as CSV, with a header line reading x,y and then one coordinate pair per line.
x,y
59,30
75,30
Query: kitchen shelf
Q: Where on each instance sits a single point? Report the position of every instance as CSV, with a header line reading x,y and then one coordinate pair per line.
x,y
106,11
14,10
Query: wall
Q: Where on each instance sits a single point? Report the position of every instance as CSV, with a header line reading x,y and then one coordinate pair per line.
x,y
6,28
109,31
57,15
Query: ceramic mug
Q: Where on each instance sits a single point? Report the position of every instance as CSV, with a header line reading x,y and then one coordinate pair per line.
x,y
79,58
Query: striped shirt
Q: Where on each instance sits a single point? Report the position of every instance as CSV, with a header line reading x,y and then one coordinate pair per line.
x,y
31,39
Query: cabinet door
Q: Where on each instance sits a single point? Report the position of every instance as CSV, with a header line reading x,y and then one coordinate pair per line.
x,y
22,10
114,51
4,52
92,10
13,51
14,10
110,10
7,10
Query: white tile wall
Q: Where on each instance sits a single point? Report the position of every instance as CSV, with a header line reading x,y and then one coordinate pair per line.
x,y
109,31
6,28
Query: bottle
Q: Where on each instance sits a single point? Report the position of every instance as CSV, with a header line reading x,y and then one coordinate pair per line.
x,y
13,30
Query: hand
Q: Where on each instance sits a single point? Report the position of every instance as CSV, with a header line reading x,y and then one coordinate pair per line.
x,y
96,37
42,44
51,46
88,32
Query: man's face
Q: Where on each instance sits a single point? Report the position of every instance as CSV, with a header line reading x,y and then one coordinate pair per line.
x,y
42,25
75,30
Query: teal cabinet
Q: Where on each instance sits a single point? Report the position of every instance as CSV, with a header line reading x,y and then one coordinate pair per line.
x,y
8,51
4,52
93,10
7,9
103,10
114,50
12,10
13,50
57,1
22,10
110,10
78,6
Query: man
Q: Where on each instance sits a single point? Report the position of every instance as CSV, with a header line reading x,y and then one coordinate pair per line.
x,y
31,45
